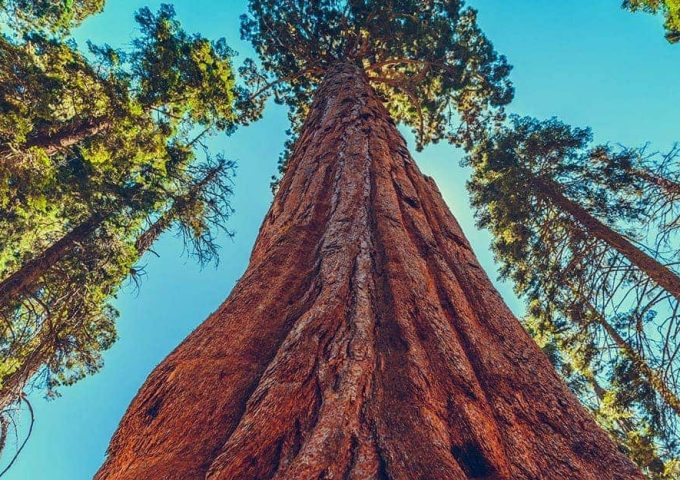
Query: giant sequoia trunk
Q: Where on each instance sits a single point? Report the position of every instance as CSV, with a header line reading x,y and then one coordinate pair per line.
x,y
363,342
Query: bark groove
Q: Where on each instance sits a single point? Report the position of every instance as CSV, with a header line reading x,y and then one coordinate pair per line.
x,y
363,342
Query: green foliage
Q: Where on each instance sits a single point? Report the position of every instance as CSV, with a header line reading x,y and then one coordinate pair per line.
x,y
504,167
436,70
184,76
113,138
669,8
56,16
55,336
606,326
148,102
654,177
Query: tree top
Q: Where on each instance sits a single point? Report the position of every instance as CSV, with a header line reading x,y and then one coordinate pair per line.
x,y
429,60
49,15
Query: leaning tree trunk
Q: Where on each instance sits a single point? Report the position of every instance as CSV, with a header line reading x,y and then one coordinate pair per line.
x,y
178,206
363,342
68,136
24,280
669,187
659,273
652,376
12,385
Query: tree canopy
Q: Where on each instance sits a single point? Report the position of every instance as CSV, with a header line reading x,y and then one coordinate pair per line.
x,y
542,187
55,16
434,67
669,8
100,153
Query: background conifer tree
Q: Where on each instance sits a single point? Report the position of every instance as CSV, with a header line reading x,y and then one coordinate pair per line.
x,y
53,16
100,153
570,221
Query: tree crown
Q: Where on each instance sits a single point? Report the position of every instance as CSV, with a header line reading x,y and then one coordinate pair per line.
x,y
436,70
49,15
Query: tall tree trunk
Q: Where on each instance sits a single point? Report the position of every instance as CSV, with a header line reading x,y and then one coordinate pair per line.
x,y
363,342
625,424
659,273
66,137
669,186
24,279
151,234
12,385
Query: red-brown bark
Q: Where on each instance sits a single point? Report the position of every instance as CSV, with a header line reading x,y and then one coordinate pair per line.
x,y
670,187
364,341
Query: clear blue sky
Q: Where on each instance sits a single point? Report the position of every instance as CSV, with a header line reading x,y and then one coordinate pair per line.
x,y
587,62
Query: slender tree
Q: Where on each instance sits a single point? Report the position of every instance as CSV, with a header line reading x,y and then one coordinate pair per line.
x,y
654,177
171,84
564,216
364,340
639,440
548,158
99,156
168,73
68,317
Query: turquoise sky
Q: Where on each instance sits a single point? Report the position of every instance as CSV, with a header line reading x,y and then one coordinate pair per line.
x,y
587,62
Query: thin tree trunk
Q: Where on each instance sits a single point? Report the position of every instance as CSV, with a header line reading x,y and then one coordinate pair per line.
x,y
651,375
66,137
24,279
363,342
659,273
13,384
669,186
164,222
625,424
150,235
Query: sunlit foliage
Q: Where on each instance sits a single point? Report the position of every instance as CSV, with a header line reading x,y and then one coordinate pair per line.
x,y
100,153
610,329
669,8
436,70
53,16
